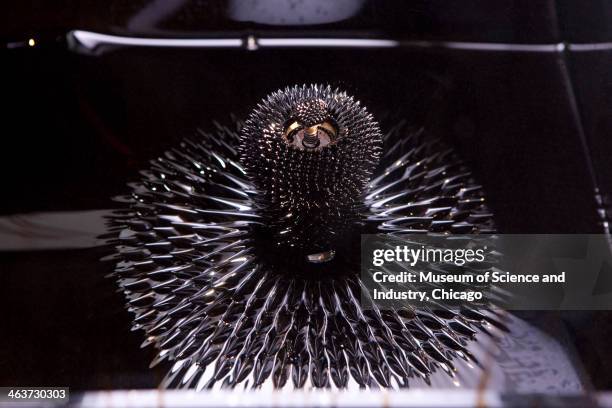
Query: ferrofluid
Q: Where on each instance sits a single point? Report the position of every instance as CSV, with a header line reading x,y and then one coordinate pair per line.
x,y
238,252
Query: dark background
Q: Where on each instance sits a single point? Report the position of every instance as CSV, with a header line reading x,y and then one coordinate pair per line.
x,y
533,125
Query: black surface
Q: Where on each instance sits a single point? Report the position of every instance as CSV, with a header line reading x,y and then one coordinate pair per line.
x,y
593,83
64,325
585,21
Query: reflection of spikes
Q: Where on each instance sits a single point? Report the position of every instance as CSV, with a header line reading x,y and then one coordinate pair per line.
x,y
222,317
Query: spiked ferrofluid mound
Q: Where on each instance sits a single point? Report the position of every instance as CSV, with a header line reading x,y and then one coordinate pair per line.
x,y
294,177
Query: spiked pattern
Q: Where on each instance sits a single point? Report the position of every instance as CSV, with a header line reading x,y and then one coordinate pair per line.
x,y
188,265
309,197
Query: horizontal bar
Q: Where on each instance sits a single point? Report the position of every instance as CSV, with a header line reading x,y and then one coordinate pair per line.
x,y
327,42
590,47
481,46
91,40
